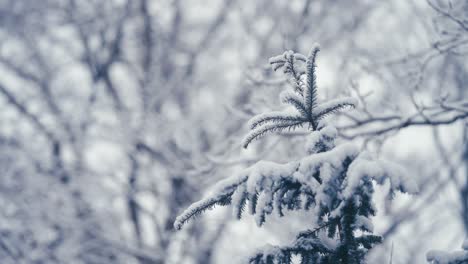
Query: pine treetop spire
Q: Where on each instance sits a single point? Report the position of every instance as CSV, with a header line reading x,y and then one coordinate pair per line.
x,y
310,96
334,183
303,98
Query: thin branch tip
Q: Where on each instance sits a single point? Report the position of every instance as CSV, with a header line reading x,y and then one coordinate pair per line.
x,y
315,49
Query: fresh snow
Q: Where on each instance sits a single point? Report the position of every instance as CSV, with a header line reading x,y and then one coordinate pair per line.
x,y
265,178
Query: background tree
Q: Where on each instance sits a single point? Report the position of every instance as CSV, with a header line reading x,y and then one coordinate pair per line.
x,y
121,113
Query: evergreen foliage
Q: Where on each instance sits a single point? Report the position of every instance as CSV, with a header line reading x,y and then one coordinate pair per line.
x,y
333,182
303,98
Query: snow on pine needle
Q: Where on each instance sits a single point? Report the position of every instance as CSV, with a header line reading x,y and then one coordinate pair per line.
x,y
270,187
334,182
303,98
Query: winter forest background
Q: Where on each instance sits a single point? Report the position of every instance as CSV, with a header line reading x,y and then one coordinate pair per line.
x,y
116,115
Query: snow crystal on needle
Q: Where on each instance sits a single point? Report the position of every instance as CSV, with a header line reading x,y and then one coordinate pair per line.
x,y
267,169
331,104
221,190
322,140
261,118
237,199
335,157
379,170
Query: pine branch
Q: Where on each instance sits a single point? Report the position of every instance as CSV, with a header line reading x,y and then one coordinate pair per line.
x,y
294,100
281,61
287,61
265,206
198,208
333,106
239,200
269,128
302,247
275,117
368,241
304,100
279,202
253,198
336,183
310,93
315,231
222,197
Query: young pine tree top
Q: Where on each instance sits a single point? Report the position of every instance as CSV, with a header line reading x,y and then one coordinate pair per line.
x,y
335,183
303,98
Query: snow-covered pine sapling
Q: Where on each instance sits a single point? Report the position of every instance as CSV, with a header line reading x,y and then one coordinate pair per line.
x,y
456,257
335,183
